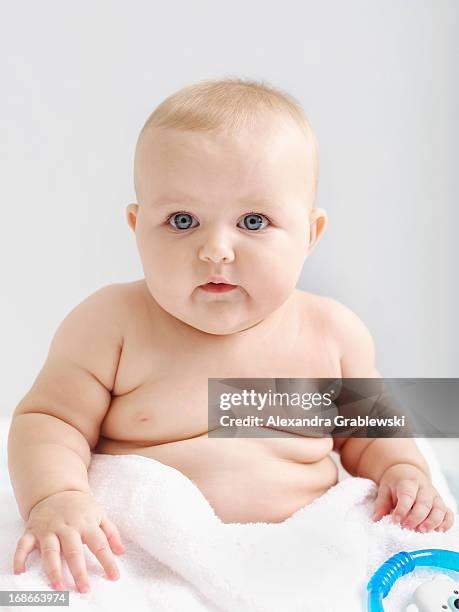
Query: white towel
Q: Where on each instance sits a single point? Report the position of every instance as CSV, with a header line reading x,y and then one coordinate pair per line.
x,y
180,556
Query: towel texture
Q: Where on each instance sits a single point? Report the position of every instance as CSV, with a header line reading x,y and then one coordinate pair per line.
x,y
180,556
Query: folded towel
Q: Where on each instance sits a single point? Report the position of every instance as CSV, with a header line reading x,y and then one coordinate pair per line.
x,y
180,556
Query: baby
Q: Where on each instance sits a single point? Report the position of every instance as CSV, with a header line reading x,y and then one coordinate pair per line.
x,y
225,176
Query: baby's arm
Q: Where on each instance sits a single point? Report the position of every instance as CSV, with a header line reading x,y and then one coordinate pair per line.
x,y
57,423
395,464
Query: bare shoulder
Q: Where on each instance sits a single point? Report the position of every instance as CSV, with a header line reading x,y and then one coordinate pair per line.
x,y
92,334
107,306
118,301
76,380
129,307
317,309
355,342
123,293
348,333
310,301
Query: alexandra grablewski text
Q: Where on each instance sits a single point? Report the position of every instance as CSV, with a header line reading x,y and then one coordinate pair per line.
x,y
316,421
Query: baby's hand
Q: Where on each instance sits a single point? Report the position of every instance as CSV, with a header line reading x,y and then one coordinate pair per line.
x,y
65,521
418,504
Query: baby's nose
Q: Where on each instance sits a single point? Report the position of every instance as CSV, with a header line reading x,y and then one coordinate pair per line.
x,y
216,250
217,257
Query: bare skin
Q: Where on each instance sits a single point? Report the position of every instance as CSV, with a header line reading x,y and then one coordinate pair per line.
x,y
154,415
127,369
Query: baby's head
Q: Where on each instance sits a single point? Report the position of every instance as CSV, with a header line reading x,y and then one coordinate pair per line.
x,y
225,176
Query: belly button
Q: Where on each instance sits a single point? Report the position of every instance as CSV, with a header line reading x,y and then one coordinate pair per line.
x,y
140,417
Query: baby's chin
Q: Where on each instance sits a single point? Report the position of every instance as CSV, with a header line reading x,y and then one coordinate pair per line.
x,y
226,332
217,315
216,322
216,326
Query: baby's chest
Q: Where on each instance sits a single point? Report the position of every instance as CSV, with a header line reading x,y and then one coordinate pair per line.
x,y
161,390
176,375
167,366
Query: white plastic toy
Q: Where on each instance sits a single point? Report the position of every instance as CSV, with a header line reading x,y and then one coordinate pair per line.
x,y
441,594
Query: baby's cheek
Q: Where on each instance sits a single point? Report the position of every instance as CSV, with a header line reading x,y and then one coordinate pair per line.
x,y
272,294
278,277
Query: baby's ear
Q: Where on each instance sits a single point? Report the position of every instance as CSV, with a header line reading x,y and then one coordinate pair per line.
x,y
318,221
131,215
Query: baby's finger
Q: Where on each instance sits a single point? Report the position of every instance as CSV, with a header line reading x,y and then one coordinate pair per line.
x,y
26,543
97,542
433,519
72,549
383,502
406,491
113,535
50,550
448,521
420,509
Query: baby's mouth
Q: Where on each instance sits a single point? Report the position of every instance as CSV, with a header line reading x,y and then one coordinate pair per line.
x,y
217,287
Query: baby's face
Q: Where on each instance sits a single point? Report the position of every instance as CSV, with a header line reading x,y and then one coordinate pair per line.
x,y
237,206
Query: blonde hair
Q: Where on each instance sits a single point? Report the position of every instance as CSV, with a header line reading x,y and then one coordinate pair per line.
x,y
230,103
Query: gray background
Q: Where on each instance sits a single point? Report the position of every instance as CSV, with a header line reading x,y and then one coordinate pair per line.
x,y
378,81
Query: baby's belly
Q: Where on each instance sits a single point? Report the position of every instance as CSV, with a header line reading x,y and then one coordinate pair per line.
x,y
245,479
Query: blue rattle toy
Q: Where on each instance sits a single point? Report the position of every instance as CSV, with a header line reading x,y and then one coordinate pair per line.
x,y
441,593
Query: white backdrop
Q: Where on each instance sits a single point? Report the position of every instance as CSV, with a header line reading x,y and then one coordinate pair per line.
x,y
378,81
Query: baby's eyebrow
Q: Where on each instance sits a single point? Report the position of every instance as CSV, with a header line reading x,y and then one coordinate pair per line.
x,y
170,201
167,200
181,198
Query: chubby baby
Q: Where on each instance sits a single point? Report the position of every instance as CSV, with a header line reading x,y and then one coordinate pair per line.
x,y
225,177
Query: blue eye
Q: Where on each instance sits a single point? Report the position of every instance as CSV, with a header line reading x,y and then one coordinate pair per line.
x,y
253,221
182,220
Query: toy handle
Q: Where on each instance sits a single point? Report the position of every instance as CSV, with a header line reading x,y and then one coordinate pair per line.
x,y
402,563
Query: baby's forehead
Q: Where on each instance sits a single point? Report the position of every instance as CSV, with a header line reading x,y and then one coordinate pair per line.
x,y
278,146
